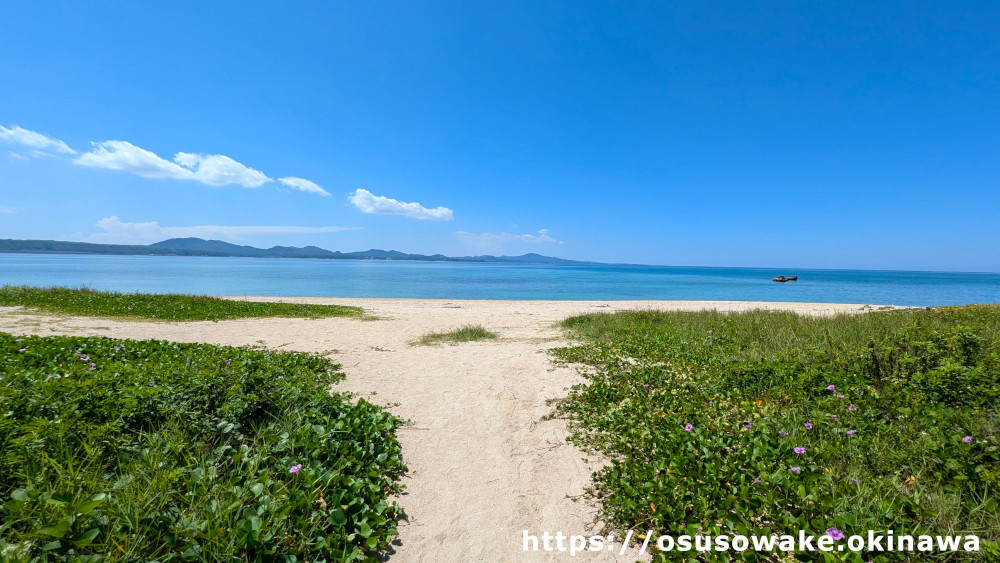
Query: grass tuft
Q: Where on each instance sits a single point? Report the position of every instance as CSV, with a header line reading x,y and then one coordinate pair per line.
x,y
468,333
164,307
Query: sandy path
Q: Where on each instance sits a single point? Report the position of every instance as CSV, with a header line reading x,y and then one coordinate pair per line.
x,y
483,466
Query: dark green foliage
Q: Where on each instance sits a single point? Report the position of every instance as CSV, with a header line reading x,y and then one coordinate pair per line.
x,y
166,307
119,450
885,450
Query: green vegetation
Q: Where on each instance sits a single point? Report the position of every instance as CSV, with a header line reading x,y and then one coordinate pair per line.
x,y
467,333
166,307
768,423
120,450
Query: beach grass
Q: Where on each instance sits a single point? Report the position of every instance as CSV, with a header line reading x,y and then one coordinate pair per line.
x,y
122,450
165,307
467,333
771,422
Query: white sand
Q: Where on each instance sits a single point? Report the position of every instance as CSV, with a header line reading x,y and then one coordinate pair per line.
x,y
483,465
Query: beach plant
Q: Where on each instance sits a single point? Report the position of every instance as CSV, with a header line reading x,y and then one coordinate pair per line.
x,y
165,307
771,423
467,333
121,450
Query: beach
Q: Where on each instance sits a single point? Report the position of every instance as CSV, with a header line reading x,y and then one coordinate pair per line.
x,y
484,464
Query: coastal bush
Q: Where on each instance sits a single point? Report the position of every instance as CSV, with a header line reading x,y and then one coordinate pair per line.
x,y
166,307
770,423
120,450
467,333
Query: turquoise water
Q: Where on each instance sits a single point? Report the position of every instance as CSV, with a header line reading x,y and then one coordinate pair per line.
x,y
451,280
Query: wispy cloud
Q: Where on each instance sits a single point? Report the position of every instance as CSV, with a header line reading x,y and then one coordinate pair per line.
x,y
4,210
542,237
116,231
33,139
210,169
368,202
304,185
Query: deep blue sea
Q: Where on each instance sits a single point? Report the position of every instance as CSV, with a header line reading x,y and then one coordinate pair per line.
x,y
455,280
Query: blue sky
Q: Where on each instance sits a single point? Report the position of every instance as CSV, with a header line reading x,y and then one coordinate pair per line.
x,y
832,135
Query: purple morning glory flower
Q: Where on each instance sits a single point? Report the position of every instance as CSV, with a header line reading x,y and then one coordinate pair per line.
x,y
93,365
831,387
809,426
853,480
688,427
85,358
840,396
295,468
710,331
23,350
747,427
833,415
756,480
783,433
967,439
835,533
799,450
795,469
852,408
646,385
851,432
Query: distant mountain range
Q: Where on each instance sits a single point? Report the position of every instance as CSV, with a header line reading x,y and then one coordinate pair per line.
x,y
201,247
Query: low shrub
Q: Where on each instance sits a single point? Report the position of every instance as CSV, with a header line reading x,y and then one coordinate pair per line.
x,y
120,450
770,423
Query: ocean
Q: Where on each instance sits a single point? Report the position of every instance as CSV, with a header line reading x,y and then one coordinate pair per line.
x,y
463,280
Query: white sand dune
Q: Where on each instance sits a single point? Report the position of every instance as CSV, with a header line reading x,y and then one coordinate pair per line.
x,y
483,465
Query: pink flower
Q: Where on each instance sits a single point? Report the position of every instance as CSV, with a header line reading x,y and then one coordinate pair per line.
x,y
295,468
840,396
851,432
831,387
835,533
796,469
967,439
799,450
688,427
809,426
852,408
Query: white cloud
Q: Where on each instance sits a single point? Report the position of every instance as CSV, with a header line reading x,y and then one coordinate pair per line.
x,y
33,139
4,210
542,237
210,169
220,170
122,155
368,202
16,155
122,232
304,185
